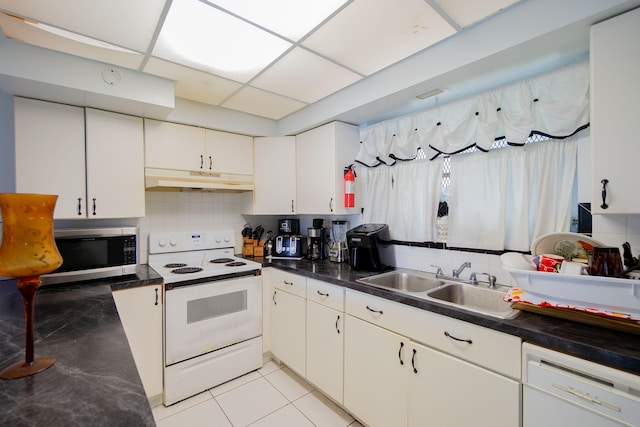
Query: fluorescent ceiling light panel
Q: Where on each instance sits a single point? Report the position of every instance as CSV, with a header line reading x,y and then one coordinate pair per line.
x,y
199,35
289,18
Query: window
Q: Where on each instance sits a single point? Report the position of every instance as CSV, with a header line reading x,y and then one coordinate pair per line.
x,y
498,143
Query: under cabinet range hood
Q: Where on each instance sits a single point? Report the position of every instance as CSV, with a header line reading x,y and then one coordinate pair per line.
x,y
165,179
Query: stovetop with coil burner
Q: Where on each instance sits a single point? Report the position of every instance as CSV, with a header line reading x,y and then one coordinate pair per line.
x,y
194,255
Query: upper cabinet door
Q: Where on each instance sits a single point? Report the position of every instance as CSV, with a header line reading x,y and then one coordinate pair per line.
x,y
50,154
615,90
115,165
174,146
228,153
321,156
274,175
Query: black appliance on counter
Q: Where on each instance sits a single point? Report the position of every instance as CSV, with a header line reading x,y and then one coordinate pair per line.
x,y
317,240
370,247
288,243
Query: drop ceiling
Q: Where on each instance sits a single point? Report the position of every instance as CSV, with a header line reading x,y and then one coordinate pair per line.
x,y
307,49
358,61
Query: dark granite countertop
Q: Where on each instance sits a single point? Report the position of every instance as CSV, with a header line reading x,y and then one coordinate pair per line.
x,y
617,349
94,380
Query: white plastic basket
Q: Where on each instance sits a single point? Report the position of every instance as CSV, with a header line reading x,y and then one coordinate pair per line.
x,y
604,293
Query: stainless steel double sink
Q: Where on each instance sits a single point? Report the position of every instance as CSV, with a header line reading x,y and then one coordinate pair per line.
x,y
476,298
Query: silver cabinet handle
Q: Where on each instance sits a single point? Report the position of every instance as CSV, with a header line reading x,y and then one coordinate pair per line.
x,y
331,205
400,353
337,320
413,361
210,162
156,297
274,298
321,294
288,283
79,205
94,206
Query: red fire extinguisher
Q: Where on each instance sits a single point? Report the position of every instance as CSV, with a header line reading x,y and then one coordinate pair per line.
x,y
349,187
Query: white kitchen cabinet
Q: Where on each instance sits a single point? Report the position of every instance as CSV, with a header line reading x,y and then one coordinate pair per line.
x,y
375,377
50,153
428,366
176,146
325,337
274,175
140,311
321,156
615,90
115,165
448,391
94,164
228,152
173,146
288,316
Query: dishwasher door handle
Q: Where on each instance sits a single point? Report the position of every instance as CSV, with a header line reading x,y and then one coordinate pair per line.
x,y
586,397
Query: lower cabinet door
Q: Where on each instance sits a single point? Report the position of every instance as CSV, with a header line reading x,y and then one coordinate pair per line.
x,y
446,391
288,330
140,311
325,346
375,374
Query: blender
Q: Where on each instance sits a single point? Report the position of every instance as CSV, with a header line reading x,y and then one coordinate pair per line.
x,y
338,252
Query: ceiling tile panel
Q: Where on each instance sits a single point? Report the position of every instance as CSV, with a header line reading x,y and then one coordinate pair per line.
x,y
367,39
289,18
262,103
18,30
467,12
193,84
125,23
305,76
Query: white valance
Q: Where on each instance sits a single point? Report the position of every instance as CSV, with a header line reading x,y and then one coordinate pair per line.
x,y
555,104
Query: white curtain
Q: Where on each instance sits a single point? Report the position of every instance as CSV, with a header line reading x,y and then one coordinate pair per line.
x,y
555,104
505,198
405,197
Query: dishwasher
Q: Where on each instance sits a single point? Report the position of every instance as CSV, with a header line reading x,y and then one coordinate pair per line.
x,y
562,390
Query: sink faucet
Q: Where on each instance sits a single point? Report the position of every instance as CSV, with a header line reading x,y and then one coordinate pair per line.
x,y
439,272
456,273
492,279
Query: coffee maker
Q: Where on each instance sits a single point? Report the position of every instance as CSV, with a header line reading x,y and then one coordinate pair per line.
x,y
288,244
317,240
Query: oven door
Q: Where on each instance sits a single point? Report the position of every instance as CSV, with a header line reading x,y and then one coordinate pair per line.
x,y
207,316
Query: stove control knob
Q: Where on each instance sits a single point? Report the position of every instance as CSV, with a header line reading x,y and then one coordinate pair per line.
x,y
173,242
227,239
162,243
218,239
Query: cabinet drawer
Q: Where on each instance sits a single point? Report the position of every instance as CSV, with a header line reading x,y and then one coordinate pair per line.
x,y
485,347
326,294
290,282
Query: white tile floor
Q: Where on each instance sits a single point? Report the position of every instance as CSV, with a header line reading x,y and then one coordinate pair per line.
x,y
270,397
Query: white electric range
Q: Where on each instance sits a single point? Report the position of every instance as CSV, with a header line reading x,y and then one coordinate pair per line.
x,y
212,310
